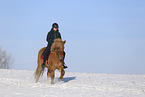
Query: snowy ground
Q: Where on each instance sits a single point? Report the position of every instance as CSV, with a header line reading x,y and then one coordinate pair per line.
x,y
21,83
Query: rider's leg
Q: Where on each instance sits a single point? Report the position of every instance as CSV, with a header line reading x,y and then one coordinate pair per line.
x,y
46,54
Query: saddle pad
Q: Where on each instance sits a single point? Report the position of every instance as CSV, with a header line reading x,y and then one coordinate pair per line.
x,y
42,56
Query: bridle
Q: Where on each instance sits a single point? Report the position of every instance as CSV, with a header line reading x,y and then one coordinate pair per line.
x,y
58,53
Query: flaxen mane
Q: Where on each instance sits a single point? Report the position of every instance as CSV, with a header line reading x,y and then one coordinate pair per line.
x,y
57,43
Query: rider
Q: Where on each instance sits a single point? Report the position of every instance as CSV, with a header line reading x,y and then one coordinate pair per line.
x,y
51,36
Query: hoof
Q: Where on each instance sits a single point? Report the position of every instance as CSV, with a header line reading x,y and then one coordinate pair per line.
x,y
59,80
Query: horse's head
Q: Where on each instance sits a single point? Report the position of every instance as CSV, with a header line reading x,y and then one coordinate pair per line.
x,y
58,47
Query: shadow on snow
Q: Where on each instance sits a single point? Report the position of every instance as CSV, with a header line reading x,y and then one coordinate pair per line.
x,y
67,79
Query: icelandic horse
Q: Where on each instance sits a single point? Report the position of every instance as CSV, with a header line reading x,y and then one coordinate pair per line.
x,y
55,61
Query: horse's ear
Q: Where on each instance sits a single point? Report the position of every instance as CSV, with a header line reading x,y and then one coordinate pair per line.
x,y
64,42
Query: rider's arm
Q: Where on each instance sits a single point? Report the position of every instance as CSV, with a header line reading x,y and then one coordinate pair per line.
x,y
59,35
49,38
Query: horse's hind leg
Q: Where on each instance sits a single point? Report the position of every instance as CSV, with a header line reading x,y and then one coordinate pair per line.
x,y
48,74
52,76
38,72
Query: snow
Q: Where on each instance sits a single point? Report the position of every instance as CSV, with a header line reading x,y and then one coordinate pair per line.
x,y
21,83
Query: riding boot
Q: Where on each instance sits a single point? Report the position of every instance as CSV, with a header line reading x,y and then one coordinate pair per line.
x,y
64,65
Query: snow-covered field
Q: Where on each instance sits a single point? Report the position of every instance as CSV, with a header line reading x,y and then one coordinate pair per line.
x,y
21,83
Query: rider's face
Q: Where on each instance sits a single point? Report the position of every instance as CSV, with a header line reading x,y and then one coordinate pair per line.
x,y
55,29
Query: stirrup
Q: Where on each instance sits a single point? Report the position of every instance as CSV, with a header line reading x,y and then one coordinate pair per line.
x,y
65,66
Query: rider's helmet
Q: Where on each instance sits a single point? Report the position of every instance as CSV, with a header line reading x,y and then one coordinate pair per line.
x,y
55,25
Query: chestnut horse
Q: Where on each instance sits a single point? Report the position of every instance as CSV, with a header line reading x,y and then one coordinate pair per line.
x,y
55,61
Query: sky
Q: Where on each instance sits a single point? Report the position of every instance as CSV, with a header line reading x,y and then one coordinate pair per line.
x,y
103,36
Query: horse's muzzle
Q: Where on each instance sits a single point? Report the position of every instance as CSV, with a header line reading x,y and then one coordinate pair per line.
x,y
60,57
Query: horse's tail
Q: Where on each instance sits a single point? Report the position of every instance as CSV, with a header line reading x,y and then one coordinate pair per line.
x,y
36,72
39,71
39,63
42,71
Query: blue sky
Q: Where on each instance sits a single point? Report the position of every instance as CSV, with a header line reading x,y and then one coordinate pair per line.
x,y
103,36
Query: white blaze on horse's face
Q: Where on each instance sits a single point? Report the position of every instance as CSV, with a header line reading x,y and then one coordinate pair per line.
x,y
61,57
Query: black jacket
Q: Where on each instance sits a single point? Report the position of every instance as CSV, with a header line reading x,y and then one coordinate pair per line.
x,y
52,35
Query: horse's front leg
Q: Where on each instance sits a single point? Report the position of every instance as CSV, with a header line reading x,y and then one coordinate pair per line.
x,y
62,73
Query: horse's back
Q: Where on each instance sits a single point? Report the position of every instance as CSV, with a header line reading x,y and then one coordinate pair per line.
x,y
41,50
